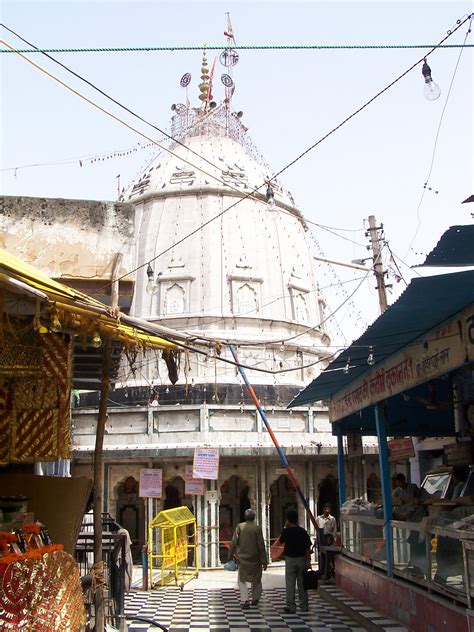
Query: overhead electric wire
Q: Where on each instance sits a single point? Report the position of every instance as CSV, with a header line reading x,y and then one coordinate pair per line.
x,y
304,153
373,342
124,107
345,230
299,157
460,23
352,241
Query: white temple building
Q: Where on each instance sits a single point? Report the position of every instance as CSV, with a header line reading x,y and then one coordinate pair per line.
x,y
222,254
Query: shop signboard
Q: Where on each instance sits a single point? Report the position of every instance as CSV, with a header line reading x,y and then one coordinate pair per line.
x,y
206,463
192,486
439,351
401,449
151,483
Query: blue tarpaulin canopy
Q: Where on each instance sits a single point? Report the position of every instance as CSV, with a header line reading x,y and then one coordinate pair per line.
x,y
426,303
455,248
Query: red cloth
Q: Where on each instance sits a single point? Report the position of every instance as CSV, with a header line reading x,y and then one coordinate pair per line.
x,y
41,595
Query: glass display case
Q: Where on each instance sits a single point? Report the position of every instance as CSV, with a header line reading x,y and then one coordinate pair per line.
x,y
436,552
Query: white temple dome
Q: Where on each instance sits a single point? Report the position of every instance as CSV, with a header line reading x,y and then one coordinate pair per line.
x,y
231,162
224,262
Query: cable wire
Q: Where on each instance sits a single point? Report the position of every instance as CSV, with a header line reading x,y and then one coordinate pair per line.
x,y
256,47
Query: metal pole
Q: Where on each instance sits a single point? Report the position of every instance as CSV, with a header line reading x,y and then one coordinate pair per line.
x,y
378,266
281,454
341,472
345,264
386,486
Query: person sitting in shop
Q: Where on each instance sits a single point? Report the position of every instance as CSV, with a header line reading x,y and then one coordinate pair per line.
x,y
404,493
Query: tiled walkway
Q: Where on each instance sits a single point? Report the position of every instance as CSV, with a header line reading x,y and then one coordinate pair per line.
x,y
211,603
363,613
219,610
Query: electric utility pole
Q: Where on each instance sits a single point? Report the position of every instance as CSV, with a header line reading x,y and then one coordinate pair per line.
x,y
379,273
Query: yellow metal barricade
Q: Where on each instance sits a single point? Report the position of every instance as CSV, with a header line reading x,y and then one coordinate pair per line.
x,y
172,547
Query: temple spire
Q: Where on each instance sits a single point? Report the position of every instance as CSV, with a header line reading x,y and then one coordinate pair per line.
x,y
204,85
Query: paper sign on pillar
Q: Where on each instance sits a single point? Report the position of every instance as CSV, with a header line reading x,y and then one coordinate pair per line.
x,y
206,463
192,486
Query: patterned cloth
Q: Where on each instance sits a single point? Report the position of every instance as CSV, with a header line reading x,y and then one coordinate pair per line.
x,y
41,595
35,398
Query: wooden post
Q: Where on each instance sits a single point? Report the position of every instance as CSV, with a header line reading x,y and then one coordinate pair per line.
x,y
99,478
378,265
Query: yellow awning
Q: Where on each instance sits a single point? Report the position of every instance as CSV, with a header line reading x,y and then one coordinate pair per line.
x,y
73,302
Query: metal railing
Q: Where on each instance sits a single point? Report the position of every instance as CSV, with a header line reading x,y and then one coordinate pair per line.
x,y
114,547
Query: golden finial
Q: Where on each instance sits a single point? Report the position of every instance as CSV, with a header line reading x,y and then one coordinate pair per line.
x,y
204,86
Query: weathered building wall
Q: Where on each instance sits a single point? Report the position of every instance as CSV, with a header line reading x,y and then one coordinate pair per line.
x,y
69,239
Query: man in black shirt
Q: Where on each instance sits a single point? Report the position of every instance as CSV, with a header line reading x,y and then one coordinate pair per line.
x,y
297,559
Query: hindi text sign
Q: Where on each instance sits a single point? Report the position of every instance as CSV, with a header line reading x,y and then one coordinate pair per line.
x,y
206,463
192,486
401,449
151,482
432,355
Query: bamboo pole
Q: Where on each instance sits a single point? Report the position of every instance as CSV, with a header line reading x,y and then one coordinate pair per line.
x,y
281,454
99,480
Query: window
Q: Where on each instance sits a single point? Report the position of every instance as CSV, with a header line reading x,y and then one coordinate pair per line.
x,y
246,300
300,309
174,300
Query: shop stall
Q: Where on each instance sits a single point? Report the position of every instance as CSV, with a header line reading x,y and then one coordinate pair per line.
x,y
418,384
52,339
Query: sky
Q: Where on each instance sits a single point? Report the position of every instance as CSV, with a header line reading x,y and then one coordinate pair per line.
x,y
375,164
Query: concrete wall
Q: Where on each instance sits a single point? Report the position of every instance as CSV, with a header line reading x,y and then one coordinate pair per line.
x,y
69,239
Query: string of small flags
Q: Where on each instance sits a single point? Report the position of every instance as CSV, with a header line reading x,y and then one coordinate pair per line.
x,y
114,155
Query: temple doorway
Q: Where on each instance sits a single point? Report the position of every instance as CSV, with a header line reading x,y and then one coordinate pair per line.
x,y
233,503
175,495
283,497
131,514
329,493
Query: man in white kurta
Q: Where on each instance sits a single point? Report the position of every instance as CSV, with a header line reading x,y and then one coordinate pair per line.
x,y
248,544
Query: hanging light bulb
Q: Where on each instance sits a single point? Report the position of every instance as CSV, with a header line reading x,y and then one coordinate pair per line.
x,y
151,287
431,91
270,197
370,358
96,340
345,370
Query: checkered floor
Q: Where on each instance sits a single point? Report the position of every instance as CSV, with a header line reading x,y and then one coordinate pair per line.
x,y
214,610
361,611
